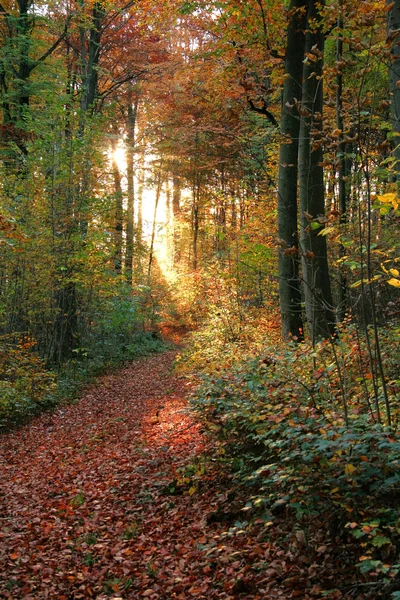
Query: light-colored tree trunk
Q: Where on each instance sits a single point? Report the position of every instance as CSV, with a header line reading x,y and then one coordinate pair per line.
x,y
133,102
154,224
176,212
118,206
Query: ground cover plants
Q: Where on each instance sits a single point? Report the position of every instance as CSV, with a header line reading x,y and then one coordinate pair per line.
x,y
299,428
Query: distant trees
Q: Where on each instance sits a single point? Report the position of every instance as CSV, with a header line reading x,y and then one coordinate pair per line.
x,y
270,127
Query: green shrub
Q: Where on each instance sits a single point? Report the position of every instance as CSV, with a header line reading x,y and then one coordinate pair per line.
x,y
300,431
26,386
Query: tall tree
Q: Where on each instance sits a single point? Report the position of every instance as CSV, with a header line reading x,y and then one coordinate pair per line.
x,y
132,110
317,289
118,202
289,285
343,163
393,38
21,53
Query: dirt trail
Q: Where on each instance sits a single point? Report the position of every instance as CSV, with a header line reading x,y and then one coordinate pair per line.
x,y
94,504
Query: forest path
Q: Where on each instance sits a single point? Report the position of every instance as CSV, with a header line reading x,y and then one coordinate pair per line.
x,y
88,507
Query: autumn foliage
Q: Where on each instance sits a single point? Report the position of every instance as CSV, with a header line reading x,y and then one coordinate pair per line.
x,y
227,172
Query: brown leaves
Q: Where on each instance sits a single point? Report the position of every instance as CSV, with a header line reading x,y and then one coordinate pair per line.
x,y
87,514
90,514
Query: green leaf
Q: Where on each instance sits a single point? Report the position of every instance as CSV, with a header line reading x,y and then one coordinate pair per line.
x,y
315,225
380,540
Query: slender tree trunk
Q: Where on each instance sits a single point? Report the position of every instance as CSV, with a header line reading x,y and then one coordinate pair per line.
x,y
176,210
169,224
90,57
153,228
289,286
195,234
233,211
118,207
242,208
141,178
66,326
130,209
317,289
393,37
342,168
195,221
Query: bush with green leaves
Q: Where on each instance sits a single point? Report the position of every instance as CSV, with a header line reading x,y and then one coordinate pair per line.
x,y
302,433
110,334
26,386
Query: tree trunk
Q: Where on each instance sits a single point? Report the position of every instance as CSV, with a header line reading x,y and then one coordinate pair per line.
x,y
153,228
393,37
289,286
66,325
141,180
317,289
342,168
195,221
90,58
176,210
130,209
118,206
168,224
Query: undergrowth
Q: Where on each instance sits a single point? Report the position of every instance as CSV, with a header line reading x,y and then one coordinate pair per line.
x,y
304,431
28,387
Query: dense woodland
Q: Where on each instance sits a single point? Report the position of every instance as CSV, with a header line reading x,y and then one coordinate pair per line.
x,y
228,170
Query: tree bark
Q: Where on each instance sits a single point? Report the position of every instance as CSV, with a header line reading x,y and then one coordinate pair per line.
x,y
343,168
176,210
90,57
317,288
289,286
393,37
153,228
133,103
118,207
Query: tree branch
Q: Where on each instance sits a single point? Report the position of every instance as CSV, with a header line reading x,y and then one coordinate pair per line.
x,y
263,111
54,46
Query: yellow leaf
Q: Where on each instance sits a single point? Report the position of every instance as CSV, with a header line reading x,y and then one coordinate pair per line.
x,y
349,469
358,283
394,282
192,490
390,198
394,272
327,230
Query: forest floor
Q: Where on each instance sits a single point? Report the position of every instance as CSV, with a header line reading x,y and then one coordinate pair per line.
x,y
109,497
120,495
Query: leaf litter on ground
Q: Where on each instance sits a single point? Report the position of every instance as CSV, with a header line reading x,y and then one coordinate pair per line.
x,y
100,499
